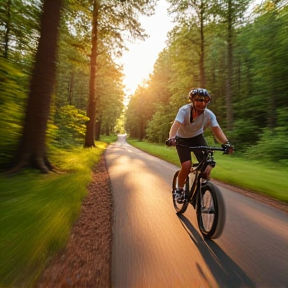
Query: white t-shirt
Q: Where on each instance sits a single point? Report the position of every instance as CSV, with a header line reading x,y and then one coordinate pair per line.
x,y
187,129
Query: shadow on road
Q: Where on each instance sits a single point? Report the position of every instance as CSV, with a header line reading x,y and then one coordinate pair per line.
x,y
226,272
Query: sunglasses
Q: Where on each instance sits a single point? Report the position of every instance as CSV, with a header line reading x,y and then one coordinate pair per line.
x,y
206,100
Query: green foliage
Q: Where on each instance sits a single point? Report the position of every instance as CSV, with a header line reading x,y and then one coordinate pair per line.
x,y
19,29
109,139
37,213
120,126
71,126
245,134
272,146
158,127
147,99
12,97
19,35
258,85
139,111
263,47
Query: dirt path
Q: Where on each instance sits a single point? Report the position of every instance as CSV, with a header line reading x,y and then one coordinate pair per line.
x,y
86,261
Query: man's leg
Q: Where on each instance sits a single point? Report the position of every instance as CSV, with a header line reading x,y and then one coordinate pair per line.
x,y
185,169
206,173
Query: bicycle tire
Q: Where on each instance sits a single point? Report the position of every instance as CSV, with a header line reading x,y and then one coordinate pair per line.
x,y
180,208
211,211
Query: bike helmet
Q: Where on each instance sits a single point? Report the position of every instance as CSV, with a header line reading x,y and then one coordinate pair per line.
x,y
199,92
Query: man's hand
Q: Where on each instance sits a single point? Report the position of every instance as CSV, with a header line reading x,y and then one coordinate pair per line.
x,y
170,142
228,148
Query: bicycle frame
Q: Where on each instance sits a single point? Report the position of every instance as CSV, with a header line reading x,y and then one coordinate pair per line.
x,y
208,153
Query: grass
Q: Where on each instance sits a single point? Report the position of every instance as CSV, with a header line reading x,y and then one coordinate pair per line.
x,y
267,179
108,139
37,212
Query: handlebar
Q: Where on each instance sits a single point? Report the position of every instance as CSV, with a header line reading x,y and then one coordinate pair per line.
x,y
203,147
225,148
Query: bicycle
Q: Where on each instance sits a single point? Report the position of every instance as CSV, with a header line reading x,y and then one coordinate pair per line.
x,y
205,197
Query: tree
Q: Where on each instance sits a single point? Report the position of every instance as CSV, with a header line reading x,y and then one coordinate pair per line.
x,y
32,146
110,23
231,13
74,72
19,28
194,14
91,109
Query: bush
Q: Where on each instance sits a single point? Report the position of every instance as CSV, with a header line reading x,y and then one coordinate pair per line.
x,y
71,126
272,146
245,134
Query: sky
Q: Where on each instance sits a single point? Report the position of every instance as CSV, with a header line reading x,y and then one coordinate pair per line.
x,y
138,62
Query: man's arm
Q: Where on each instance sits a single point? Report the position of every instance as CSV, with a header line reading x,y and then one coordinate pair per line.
x,y
222,139
174,128
219,135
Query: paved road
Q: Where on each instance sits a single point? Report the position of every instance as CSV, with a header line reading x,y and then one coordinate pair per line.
x,y
153,247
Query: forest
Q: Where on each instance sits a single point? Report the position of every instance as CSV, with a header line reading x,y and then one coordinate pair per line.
x,y
61,91
240,56
61,84
59,81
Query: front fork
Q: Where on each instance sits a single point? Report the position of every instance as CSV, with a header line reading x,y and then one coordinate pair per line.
x,y
195,189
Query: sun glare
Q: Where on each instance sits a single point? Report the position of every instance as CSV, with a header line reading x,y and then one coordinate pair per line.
x,y
138,62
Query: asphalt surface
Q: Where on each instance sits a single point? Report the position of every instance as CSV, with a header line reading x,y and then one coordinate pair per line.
x,y
153,247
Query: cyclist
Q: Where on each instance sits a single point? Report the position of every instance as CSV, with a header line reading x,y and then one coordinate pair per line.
x,y
187,129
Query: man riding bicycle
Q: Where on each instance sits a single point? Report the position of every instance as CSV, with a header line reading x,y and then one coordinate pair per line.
x,y
187,130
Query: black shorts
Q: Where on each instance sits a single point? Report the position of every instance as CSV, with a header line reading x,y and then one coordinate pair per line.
x,y
185,153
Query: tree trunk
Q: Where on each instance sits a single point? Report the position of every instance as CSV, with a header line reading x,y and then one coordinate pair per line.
x,y
97,129
201,62
70,88
98,121
142,130
229,107
107,130
271,115
91,109
32,147
7,30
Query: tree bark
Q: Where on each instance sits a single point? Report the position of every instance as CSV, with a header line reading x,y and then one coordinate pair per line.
x,y
70,88
229,107
7,30
97,129
91,109
32,146
201,62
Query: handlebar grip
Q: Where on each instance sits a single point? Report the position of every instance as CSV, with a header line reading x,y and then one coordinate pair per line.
x,y
169,142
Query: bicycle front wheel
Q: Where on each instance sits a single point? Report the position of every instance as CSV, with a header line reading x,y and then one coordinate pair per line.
x,y
179,207
211,213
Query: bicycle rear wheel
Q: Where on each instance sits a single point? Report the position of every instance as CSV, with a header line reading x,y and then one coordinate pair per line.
x,y
179,207
211,214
